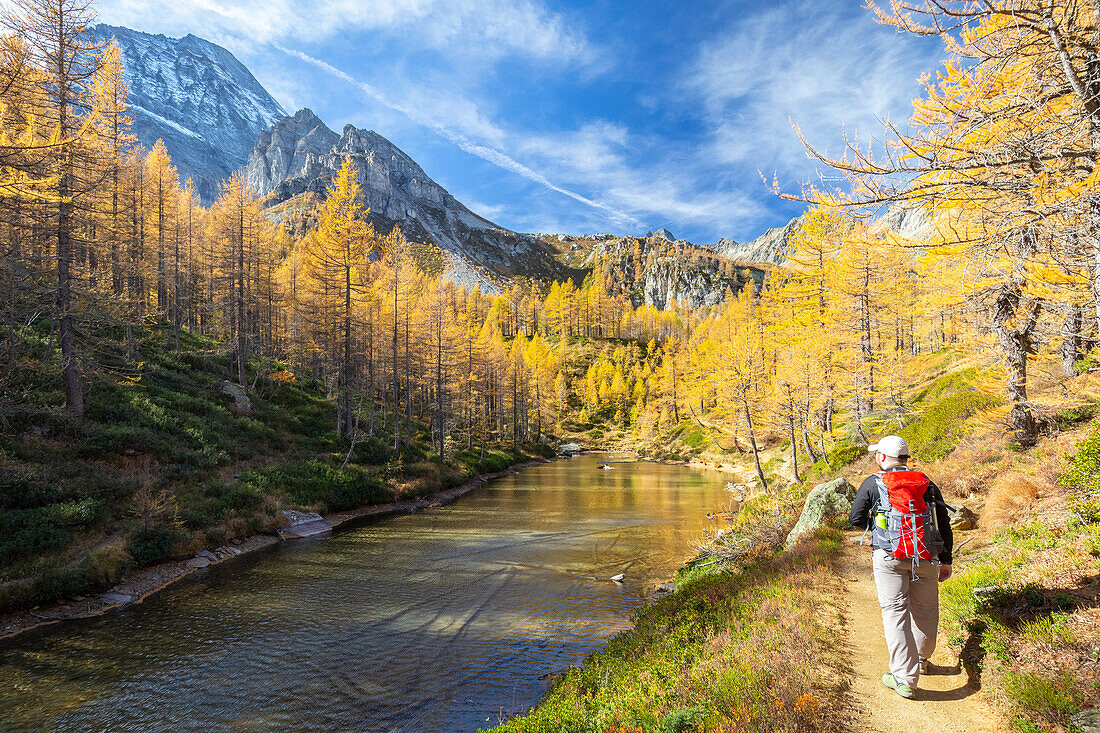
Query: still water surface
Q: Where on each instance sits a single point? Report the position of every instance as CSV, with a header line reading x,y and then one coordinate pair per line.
x,y
446,620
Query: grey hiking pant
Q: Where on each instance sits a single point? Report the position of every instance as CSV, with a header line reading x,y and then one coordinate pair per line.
x,y
910,612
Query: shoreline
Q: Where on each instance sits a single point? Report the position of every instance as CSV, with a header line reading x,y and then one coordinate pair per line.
x,y
148,581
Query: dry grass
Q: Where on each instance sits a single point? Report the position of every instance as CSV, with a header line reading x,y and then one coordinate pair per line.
x,y
1010,497
1037,638
967,472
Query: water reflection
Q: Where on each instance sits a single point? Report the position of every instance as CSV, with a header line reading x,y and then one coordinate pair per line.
x,y
437,621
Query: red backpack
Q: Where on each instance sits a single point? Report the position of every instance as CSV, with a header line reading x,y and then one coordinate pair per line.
x,y
906,525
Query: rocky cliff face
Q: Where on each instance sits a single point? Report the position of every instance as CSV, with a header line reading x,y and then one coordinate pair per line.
x,y
299,156
771,246
282,153
905,219
198,98
662,273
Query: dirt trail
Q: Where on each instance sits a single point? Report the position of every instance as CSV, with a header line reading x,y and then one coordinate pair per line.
x,y
944,704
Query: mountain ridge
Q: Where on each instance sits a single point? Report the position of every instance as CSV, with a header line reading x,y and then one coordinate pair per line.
x,y
299,155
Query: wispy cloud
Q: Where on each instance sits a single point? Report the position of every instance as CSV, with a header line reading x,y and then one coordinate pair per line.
x,y
637,179
641,174
487,28
829,71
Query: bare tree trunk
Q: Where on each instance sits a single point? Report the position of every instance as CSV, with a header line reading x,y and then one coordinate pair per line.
x,y
1016,344
439,380
1071,340
242,356
70,375
755,449
345,371
794,449
396,384
408,382
808,445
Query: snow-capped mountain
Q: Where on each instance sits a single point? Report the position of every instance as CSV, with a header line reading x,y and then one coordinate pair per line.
x,y
198,98
301,155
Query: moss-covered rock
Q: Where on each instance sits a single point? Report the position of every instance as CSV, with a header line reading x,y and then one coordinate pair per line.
x,y
823,501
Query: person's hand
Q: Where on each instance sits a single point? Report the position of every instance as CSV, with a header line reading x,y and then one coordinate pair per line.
x,y
945,572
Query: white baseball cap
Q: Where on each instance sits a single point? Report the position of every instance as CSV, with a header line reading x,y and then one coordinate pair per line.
x,y
891,445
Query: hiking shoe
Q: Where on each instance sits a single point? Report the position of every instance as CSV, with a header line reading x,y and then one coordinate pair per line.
x,y
925,666
899,687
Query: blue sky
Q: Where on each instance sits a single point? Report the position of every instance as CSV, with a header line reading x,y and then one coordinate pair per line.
x,y
580,116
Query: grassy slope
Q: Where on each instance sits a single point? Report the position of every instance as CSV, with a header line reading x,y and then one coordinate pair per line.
x,y
160,467
713,656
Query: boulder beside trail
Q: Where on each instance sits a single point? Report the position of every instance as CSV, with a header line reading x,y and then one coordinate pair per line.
x,y
963,519
833,497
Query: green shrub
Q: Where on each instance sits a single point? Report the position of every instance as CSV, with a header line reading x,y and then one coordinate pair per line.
x,y
1083,478
150,545
16,595
112,438
542,450
694,438
842,454
682,720
1050,701
310,483
26,533
1075,416
374,451
54,584
107,564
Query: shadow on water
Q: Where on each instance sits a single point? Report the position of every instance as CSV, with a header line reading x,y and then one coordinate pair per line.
x,y
443,620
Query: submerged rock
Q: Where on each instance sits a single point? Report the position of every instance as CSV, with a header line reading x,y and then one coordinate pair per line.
x,y
664,589
833,497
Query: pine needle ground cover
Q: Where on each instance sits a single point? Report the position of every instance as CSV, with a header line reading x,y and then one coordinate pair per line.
x,y
749,648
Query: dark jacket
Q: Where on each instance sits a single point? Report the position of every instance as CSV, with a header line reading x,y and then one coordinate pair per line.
x,y
866,502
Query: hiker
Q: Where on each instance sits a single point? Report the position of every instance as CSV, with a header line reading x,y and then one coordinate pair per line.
x,y
911,539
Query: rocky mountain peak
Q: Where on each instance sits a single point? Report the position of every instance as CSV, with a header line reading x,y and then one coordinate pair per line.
x,y
286,150
904,219
661,233
300,155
